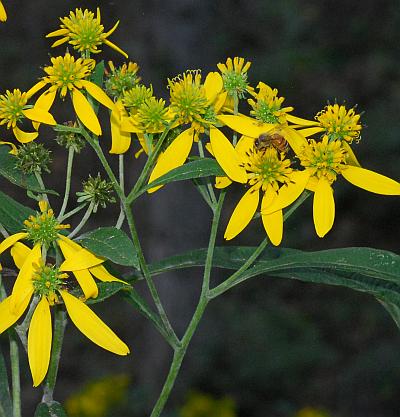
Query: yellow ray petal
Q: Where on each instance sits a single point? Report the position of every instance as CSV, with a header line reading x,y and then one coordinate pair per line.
x,y
85,112
287,194
174,156
34,89
128,125
10,240
273,223
213,84
244,145
59,42
69,242
102,274
310,131
7,317
116,48
351,158
20,252
243,213
82,259
371,181
220,101
300,121
39,341
87,283
120,141
58,32
91,326
3,14
13,147
222,182
46,100
96,92
246,125
24,137
39,115
296,140
323,207
227,156
23,284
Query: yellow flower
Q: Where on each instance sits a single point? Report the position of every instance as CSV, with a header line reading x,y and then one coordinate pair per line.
x,y
193,104
265,171
120,79
69,75
234,76
323,162
47,283
13,109
3,14
83,30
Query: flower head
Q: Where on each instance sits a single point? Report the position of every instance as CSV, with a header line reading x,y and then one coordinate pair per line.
x,y
136,96
83,30
339,123
69,75
97,192
234,76
122,78
33,157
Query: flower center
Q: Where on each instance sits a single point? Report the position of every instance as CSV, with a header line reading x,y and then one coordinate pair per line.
x,y
152,115
267,107
136,96
11,106
267,167
44,227
339,123
47,280
325,159
121,79
187,96
65,73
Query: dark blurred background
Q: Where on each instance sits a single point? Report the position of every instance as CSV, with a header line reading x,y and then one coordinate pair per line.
x,y
270,347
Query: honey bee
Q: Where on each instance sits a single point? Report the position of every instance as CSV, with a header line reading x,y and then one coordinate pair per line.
x,y
275,140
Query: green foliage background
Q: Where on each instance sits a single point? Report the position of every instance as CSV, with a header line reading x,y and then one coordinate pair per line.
x,y
273,346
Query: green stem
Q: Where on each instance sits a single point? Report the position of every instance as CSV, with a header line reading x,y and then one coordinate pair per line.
x,y
84,220
172,338
71,153
15,375
180,351
22,328
3,231
235,112
121,217
42,187
149,164
60,321
72,212
209,186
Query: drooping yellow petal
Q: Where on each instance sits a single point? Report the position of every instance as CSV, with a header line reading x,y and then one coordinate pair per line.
x,y
91,326
220,101
39,341
10,240
96,92
23,286
323,207
296,140
244,145
34,89
102,274
13,147
24,137
371,181
351,158
222,182
273,223
82,259
39,115
227,156
300,121
120,140
243,213
289,193
20,252
246,125
46,100
174,156
58,32
310,131
213,84
85,112
8,317
116,48
3,14
59,42
128,125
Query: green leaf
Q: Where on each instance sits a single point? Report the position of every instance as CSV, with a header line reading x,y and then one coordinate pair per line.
x,y
5,399
200,168
12,213
54,409
8,171
133,298
107,290
111,243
